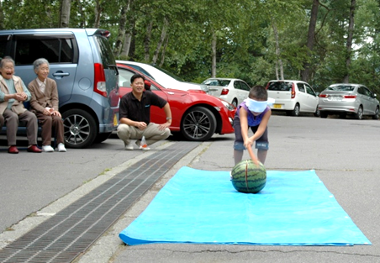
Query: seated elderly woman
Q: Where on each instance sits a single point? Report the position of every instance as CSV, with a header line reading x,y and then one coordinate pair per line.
x,y
44,104
13,94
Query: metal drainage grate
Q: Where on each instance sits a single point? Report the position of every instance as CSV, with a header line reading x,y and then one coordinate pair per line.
x,y
72,231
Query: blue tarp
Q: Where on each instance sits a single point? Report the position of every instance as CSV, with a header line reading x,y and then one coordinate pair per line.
x,y
203,207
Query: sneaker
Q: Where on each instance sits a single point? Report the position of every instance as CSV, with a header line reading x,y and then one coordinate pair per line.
x,y
129,146
146,148
47,148
138,144
61,147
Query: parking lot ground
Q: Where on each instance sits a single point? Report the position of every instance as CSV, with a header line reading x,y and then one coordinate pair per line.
x,y
343,152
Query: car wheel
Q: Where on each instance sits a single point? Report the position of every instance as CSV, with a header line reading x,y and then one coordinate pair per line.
x,y
198,124
296,110
376,115
234,102
359,114
79,128
323,114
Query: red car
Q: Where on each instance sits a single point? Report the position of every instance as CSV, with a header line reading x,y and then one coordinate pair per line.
x,y
196,114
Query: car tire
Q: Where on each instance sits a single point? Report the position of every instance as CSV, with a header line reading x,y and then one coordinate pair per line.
x,y
359,113
295,111
323,114
376,115
198,124
80,129
235,103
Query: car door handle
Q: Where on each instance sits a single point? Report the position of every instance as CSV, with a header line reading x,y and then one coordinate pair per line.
x,y
61,74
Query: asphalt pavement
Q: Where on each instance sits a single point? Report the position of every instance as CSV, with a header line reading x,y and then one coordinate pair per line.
x,y
343,152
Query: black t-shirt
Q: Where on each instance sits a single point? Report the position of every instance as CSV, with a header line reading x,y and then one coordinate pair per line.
x,y
136,110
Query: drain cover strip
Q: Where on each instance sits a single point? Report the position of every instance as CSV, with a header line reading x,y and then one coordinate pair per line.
x,y
72,231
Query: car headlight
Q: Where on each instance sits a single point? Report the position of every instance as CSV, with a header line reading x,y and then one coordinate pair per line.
x,y
228,105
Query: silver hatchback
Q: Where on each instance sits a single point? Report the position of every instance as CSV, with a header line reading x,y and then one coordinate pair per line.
x,y
344,98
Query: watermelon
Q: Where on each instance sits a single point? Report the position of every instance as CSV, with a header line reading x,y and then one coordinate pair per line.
x,y
246,177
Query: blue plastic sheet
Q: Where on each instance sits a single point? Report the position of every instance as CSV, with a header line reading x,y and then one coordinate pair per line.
x,y
198,206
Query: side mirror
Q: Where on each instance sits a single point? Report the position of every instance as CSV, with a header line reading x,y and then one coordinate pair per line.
x,y
147,85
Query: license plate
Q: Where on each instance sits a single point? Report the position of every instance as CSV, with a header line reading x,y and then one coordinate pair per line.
x,y
336,98
115,120
277,106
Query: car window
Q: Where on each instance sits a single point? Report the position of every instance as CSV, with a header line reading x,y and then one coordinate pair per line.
x,y
125,77
141,70
341,88
301,87
310,91
3,45
56,49
280,86
105,51
224,82
237,85
366,92
244,86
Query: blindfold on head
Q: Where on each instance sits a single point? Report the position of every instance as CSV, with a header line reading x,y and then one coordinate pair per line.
x,y
257,106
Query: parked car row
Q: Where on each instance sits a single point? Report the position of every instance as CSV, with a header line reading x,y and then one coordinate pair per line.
x,y
341,99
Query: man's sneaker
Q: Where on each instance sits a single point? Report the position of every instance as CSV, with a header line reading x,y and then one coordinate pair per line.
x,y
129,146
146,148
61,147
47,148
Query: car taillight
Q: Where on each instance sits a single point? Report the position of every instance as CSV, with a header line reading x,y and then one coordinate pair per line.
x,y
349,96
293,92
99,80
224,91
323,95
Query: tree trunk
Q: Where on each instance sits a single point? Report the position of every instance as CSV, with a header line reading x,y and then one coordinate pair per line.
x,y
147,41
349,41
1,17
278,52
161,41
98,13
121,32
163,52
81,13
64,17
305,73
213,49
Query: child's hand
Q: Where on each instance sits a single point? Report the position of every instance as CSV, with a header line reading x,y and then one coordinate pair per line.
x,y
248,143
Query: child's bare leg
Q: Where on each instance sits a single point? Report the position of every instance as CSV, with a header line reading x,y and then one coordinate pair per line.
x,y
262,155
238,156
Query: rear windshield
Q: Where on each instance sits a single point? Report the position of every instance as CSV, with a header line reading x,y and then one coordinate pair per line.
x,y
217,82
341,88
106,54
280,86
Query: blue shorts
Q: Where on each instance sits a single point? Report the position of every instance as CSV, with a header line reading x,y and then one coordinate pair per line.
x,y
262,143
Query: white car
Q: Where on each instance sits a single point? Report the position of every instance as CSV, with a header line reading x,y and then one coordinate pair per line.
x,y
293,97
163,77
231,90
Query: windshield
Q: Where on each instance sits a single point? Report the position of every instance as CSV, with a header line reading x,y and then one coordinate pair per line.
x,y
341,88
170,74
280,86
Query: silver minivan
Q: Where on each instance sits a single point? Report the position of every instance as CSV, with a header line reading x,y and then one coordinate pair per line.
x,y
83,65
